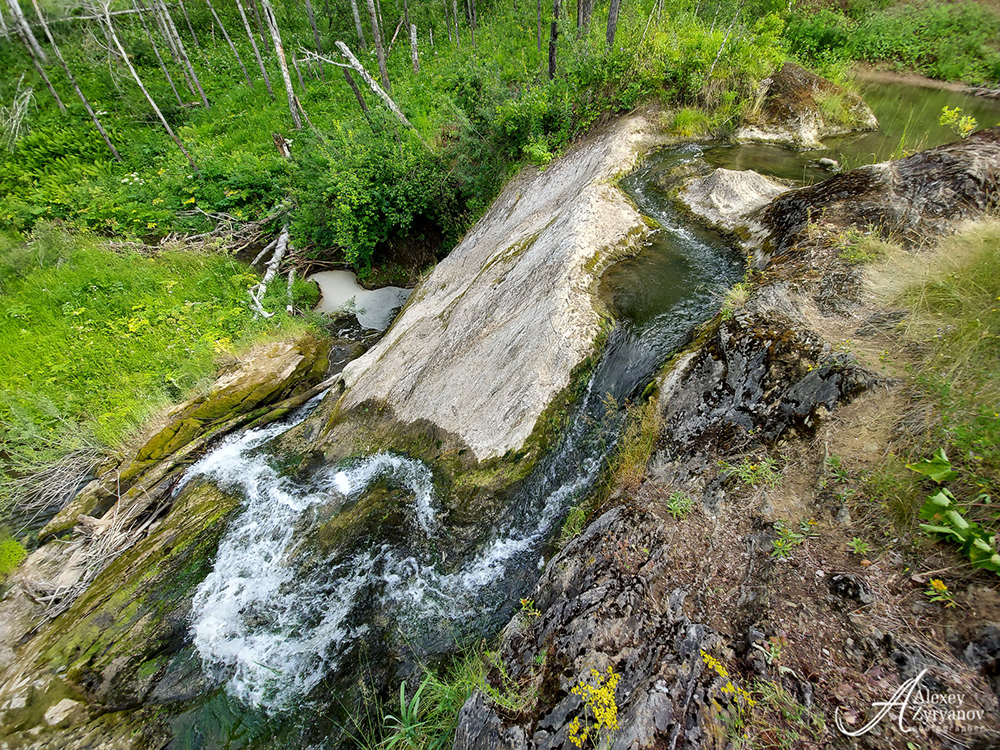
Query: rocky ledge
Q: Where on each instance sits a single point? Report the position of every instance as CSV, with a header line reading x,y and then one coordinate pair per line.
x,y
696,614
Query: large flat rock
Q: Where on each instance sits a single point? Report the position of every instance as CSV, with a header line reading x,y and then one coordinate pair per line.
x,y
490,338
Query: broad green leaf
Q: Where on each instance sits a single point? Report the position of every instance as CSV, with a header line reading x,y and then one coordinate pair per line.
x,y
937,468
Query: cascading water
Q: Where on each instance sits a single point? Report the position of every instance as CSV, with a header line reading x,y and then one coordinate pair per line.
x,y
282,619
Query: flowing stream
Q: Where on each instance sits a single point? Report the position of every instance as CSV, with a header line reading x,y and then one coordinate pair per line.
x,y
296,608
358,572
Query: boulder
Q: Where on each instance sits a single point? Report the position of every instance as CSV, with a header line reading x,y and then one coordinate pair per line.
x,y
798,109
912,198
491,337
724,198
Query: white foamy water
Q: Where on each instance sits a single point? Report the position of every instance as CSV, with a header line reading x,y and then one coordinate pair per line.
x,y
272,620
374,308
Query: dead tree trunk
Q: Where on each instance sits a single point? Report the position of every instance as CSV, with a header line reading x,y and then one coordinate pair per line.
x,y
726,38
319,48
229,41
131,69
171,29
5,32
256,52
539,27
386,99
471,9
187,19
156,51
454,17
260,28
76,86
413,48
279,49
613,21
383,71
22,27
357,24
361,100
298,73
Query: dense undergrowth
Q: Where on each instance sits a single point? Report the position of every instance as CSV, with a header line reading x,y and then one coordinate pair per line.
x,y
950,40
359,186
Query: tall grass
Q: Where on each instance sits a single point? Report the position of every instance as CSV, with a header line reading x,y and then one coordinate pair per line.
x,y
92,341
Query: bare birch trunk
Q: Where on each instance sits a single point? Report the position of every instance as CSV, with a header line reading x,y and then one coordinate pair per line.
x,y
357,23
454,17
379,49
21,25
4,31
229,41
121,50
726,38
179,43
319,48
471,8
413,48
156,51
386,99
279,49
187,19
76,86
253,44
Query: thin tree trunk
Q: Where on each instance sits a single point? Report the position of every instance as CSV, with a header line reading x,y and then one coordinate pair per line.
x,y
357,24
447,21
388,52
406,13
142,87
260,28
375,87
308,121
725,39
256,52
298,72
471,10
381,21
172,30
383,71
588,13
539,27
76,86
156,51
613,21
361,101
319,48
229,41
5,32
413,48
279,49
454,16
187,18
21,26
553,39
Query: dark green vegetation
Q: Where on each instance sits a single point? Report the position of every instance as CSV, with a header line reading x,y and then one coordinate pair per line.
x,y
363,192
955,41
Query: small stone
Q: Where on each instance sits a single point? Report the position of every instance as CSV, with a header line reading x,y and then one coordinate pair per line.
x,y
62,711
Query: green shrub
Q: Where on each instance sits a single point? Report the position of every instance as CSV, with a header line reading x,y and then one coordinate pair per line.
x,y
11,555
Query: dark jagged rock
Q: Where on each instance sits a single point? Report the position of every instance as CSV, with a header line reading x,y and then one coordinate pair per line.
x,y
911,198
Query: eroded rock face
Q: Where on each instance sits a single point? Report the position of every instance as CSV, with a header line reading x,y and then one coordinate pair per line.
x,y
912,198
487,341
799,109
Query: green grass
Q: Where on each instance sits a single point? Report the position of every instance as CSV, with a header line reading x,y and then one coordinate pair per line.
x,y
92,341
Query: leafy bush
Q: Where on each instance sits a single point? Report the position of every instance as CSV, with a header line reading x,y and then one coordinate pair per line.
x,y
11,555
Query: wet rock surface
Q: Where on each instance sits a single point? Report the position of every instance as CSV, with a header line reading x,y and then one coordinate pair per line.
x,y
799,109
724,198
663,599
514,301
